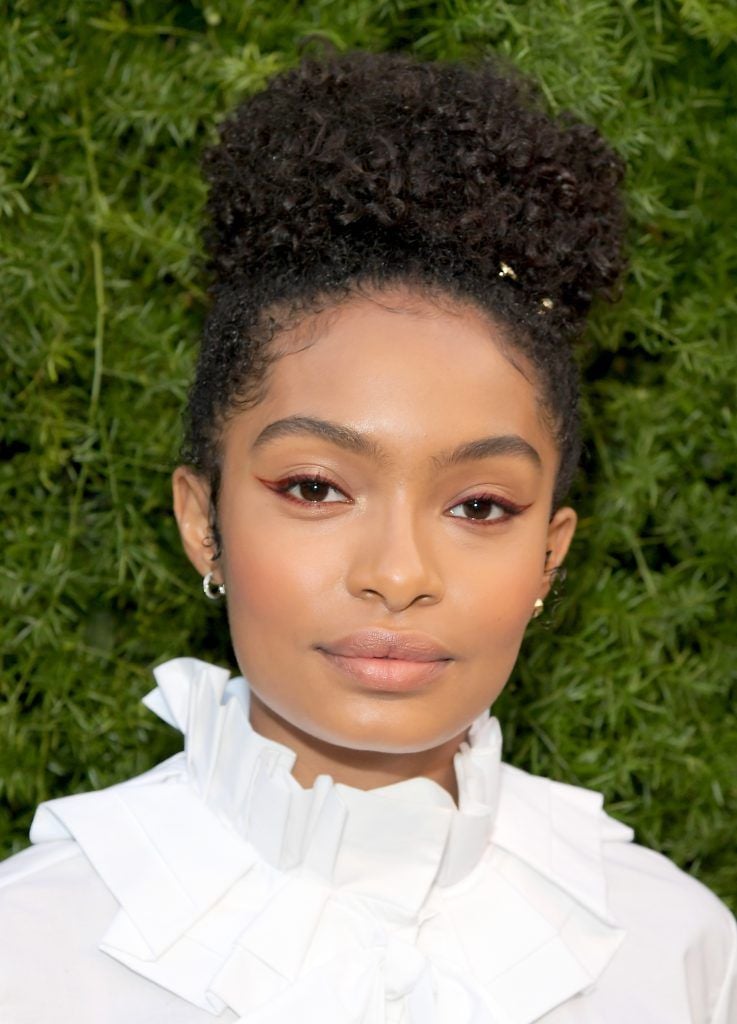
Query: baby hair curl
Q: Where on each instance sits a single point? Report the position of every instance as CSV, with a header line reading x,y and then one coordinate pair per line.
x,y
352,173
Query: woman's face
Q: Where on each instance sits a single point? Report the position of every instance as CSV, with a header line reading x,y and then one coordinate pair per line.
x,y
396,479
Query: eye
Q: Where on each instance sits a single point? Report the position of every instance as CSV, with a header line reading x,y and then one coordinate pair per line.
x,y
312,490
485,509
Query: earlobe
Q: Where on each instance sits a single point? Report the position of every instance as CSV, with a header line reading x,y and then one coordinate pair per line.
x,y
191,494
561,529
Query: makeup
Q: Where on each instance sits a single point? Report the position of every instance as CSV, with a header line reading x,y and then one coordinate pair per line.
x,y
388,661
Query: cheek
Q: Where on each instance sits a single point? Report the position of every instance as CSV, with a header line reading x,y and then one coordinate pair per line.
x,y
275,581
262,576
496,593
494,603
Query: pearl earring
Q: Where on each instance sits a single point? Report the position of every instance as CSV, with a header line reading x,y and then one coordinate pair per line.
x,y
538,607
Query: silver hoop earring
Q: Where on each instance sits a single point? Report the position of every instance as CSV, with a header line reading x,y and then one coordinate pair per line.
x,y
212,590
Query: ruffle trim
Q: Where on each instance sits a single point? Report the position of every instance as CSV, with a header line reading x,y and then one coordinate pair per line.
x,y
273,900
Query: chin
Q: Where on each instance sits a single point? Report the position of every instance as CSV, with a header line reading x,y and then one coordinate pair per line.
x,y
389,732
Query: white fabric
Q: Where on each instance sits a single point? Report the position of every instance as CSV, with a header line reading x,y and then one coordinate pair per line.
x,y
229,892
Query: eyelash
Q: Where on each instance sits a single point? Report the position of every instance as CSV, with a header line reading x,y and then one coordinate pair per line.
x,y
282,487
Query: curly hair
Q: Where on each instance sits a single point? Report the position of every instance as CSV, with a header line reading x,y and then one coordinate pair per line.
x,y
364,170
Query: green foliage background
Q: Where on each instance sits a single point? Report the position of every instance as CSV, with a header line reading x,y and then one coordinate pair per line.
x,y
632,687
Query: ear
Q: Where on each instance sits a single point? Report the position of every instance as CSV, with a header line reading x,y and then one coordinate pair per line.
x,y
191,494
560,534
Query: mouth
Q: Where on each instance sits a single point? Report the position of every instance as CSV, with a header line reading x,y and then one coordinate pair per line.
x,y
388,662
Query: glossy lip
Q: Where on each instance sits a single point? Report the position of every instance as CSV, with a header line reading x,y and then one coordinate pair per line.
x,y
382,643
389,662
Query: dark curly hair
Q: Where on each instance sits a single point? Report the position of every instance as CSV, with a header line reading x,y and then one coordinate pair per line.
x,y
359,171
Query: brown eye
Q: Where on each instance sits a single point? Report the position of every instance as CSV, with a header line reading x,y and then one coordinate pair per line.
x,y
313,490
481,508
485,509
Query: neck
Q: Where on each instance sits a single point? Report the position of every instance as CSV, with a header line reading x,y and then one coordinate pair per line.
x,y
361,769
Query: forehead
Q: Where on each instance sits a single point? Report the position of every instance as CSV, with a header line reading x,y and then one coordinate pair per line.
x,y
414,374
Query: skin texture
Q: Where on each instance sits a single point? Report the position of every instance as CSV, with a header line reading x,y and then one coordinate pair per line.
x,y
391,544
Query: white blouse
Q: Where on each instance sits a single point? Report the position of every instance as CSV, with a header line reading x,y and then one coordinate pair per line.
x,y
214,886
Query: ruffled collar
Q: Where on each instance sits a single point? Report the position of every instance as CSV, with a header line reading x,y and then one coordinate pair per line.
x,y
391,843
239,888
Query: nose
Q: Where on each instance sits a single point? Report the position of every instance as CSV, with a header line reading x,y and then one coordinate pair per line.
x,y
393,561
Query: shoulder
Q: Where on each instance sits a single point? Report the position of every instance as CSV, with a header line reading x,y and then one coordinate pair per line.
x,y
47,875
53,907
50,892
674,924
573,822
639,877
678,956
54,910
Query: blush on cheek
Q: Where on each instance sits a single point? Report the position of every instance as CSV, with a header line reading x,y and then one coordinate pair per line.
x,y
502,596
254,589
273,588
253,581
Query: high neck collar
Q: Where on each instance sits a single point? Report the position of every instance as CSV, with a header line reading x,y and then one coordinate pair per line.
x,y
394,842
238,888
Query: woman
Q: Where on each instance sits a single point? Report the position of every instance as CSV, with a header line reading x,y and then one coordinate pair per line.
x,y
381,433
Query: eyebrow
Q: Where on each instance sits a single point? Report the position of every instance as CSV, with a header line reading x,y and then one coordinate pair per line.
x,y
354,441
338,434
487,447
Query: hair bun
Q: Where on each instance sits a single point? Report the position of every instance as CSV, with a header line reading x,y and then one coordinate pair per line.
x,y
367,160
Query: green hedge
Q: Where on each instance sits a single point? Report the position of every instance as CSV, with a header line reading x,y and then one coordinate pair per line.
x,y
632,687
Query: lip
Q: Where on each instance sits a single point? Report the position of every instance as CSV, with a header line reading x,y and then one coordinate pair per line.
x,y
382,643
388,662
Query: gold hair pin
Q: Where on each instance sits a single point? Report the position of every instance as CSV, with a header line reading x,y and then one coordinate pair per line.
x,y
505,270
